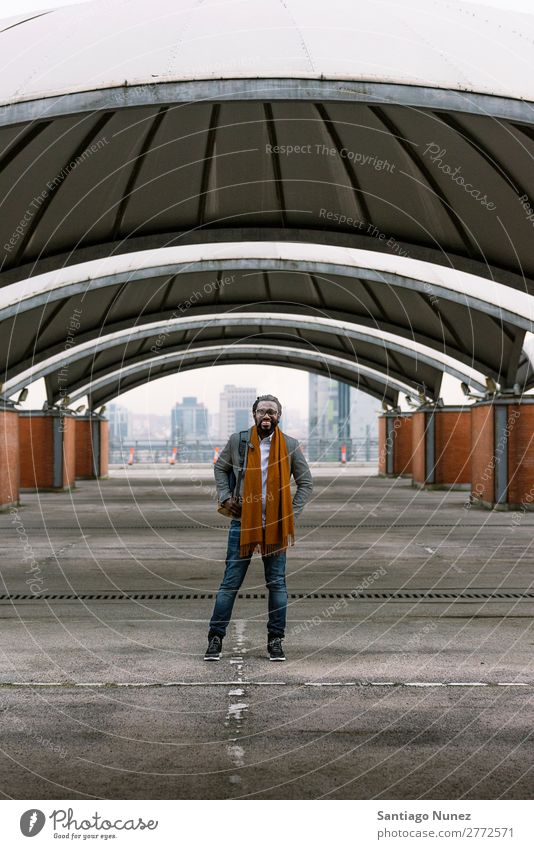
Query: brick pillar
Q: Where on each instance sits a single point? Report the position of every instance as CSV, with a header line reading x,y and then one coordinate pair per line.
x,y
441,447
104,447
9,456
47,450
503,454
91,447
395,444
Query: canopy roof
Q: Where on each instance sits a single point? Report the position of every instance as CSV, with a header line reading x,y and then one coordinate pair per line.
x,y
360,347
329,296
455,45
335,131
100,390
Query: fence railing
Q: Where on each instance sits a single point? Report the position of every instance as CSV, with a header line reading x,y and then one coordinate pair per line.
x,y
133,451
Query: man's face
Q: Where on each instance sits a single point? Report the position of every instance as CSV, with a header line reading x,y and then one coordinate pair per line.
x,y
266,417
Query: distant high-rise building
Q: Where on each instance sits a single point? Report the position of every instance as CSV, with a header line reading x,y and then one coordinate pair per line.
x,y
213,425
323,407
294,423
148,426
364,410
119,422
189,420
235,409
338,415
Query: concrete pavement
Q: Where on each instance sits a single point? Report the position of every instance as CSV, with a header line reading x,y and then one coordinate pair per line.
x,y
409,644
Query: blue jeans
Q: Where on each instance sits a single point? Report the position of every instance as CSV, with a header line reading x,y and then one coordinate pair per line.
x,y
236,569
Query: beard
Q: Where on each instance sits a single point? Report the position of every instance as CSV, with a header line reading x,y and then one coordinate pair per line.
x,y
263,431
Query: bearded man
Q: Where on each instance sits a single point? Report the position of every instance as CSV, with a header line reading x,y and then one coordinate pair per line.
x,y
252,475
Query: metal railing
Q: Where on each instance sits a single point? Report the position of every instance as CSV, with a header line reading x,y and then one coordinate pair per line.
x,y
133,451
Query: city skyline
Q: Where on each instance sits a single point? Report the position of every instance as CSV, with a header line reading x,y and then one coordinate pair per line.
x,y
319,421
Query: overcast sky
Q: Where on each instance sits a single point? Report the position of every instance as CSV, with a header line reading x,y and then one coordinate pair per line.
x,y
16,7
290,385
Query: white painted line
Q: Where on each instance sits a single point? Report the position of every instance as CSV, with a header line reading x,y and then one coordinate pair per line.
x,y
6,684
236,710
236,683
241,683
236,752
34,683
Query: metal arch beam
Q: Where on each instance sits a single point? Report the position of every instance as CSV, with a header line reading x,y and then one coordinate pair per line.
x,y
51,370
313,268
525,376
132,335
259,263
449,327
150,135
350,173
277,171
20,143
168,95
365,363
421,166
478,145
299,323
300,89
165,328
50,367
96,401
57,184
208,162
235,235
463,358
298,359
386,394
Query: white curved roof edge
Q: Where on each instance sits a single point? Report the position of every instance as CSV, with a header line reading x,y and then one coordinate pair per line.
x,y
311,355
409,347
454,45
528,347
165,260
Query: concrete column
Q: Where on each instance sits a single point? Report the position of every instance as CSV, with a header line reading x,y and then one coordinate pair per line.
x,y
503,454
441,447
92,447
47,450
9,456
395,444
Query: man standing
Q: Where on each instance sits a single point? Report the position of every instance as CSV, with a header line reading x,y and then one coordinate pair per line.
x,y
262,517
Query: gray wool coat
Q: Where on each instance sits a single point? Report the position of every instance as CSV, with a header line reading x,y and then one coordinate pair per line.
x,y
229,459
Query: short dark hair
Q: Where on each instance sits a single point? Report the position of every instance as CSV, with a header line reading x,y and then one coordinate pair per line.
x,y
267,398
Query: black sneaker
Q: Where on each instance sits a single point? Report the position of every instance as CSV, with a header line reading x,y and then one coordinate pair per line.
x,y
274,647
213,652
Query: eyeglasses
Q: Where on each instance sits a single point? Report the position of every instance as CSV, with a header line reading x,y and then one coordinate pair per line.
x,y
262,411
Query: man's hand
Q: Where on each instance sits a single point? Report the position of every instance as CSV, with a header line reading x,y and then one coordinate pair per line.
x,y
233,505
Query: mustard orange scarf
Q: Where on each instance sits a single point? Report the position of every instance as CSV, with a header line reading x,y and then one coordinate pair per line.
x,y
279,519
